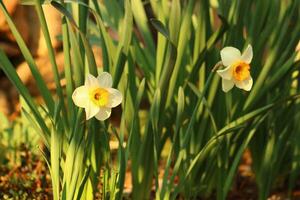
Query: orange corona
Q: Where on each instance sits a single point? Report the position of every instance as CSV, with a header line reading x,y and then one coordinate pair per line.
x,y
241,71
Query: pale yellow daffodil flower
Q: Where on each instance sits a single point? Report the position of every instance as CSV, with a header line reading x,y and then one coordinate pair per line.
x,y
237,68
97,97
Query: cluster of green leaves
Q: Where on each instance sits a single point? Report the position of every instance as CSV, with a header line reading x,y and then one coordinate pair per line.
x,y
16,136
174,115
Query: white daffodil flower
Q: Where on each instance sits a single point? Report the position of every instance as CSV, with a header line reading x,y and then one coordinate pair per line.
x,y
97,97
237,68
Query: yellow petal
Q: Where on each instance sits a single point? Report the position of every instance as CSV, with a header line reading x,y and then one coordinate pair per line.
x,y
247,54
115,97
80,96
225,73
229,55
91,110
245,84
105,80
91,81
103,113
227,85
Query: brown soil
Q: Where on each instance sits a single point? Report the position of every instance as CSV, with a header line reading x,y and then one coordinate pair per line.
x,y
29,179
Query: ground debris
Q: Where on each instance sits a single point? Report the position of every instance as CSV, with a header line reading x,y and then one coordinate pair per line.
x,y
28,179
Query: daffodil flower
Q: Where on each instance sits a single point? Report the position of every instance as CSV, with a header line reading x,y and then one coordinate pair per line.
x,y
237,68
97,97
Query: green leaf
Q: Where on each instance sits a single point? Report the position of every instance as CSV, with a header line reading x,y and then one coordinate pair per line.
x,y
159,26
30,61
83,182
11,73
32,2
142,23
88,50
239,154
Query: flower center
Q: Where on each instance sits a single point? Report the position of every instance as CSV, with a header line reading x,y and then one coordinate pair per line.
x,y
241,71
99,96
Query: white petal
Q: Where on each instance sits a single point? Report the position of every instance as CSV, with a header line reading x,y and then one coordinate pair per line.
x,y
225,73
115,97
103,113
229,55
91,81
80,96
105,80
227,85
245,84
91,110
247,54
